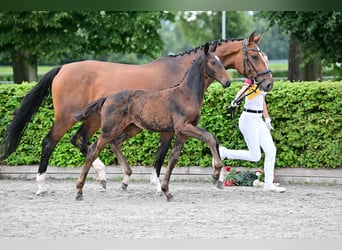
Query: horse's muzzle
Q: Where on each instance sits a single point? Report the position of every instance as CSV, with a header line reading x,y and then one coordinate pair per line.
x,y
269,86
226,84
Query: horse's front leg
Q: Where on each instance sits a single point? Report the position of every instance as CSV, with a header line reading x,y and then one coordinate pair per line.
x,y
173,159
163,146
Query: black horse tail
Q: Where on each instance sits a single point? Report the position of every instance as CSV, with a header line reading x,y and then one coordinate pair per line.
x,y
91,108
23,115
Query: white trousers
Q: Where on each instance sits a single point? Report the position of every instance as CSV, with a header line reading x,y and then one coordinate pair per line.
x,y
256,135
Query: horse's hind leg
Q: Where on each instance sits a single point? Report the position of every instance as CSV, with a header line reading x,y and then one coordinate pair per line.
x,y
173,159
163,146
81,141
127,171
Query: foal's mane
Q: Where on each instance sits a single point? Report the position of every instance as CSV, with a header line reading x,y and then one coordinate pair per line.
x,y
195,50
196,60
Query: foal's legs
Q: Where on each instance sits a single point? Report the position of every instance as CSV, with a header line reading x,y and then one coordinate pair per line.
x,y
81,141
93,152
203,135
173,159
127,171
163,146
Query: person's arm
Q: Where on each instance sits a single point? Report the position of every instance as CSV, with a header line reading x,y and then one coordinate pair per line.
x,y
239,93
267,116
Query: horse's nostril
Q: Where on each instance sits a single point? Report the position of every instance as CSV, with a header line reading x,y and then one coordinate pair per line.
x,y
269,86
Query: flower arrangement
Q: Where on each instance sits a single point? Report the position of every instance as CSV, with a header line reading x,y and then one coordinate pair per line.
x,y
243,178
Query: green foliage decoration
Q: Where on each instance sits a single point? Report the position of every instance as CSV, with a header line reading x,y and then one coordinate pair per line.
x,y
306,117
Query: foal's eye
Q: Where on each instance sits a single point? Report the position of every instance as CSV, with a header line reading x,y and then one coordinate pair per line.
x,y
213,62
255,57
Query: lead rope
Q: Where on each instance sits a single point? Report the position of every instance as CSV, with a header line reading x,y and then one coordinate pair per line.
x,y
231,110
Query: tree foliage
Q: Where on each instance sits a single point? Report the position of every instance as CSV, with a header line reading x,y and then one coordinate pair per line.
x,y
75,33
29,35
201,26
318,32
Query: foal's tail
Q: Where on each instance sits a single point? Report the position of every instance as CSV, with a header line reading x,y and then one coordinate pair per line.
x,y
23,115
91,108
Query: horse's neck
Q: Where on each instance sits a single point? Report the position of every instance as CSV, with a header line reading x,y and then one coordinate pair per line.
x,y
227,50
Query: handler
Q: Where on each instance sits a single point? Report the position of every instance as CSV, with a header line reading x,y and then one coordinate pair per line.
x,y
256,132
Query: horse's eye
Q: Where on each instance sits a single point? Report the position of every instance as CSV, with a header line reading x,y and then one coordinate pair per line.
x,y
213,62
255,57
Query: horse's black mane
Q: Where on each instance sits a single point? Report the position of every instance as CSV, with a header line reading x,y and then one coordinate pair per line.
x,y
218,42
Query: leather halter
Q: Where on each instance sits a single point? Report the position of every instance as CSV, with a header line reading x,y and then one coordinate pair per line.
x,y
247,65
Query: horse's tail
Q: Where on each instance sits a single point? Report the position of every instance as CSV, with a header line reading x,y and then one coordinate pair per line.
x,y
91,108
22,116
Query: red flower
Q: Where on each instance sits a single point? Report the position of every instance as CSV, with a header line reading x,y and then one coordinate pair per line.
x,y
228,168
229,183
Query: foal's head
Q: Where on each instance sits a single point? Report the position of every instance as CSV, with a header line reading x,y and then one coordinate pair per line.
x,y
213,67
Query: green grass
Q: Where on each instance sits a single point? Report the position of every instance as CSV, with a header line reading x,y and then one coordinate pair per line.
x,y
278,66
7,70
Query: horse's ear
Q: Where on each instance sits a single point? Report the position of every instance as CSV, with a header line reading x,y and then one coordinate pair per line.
x,y
206,49
251,37
257,38
213,47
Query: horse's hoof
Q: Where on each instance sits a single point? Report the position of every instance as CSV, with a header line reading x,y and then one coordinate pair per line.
x,y
103,184
124,187
159,193
214,181
219,184
41,193
169,197
79,197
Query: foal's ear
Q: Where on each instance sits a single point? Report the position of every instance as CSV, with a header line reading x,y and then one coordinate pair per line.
x,y
206,49
213,47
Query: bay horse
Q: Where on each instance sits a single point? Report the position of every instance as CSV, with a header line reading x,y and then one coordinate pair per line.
x,y
76,84
176,109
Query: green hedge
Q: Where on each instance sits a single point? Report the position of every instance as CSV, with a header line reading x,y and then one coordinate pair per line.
x,y
306,118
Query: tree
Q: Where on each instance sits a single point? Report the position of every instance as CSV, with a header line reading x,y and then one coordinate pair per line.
x,y
315,39
275,43
201,26
30,35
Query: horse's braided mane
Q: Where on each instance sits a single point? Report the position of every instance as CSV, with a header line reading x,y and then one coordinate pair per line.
x,y
218,42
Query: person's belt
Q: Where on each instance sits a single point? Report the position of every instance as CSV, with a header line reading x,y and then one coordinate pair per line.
x,y
253,111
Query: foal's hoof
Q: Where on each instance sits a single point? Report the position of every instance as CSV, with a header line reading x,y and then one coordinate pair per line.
x,y
219,184
103,184
41,193
79,197
169,197
124,187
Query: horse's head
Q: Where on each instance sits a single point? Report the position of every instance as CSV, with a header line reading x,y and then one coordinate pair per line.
x,y
255,63
214,67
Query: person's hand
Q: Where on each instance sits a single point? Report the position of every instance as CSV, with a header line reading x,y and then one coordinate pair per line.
x,y
234,104
268,124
